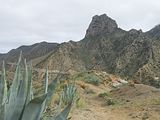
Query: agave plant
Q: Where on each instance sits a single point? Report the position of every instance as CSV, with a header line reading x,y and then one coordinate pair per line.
x,y
18,103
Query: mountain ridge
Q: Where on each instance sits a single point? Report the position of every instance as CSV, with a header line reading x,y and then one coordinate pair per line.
x,y
131,54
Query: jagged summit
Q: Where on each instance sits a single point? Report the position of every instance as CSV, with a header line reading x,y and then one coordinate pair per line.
x,y
101,24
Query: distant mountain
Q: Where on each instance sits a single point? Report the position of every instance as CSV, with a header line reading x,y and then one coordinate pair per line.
x,y
29,52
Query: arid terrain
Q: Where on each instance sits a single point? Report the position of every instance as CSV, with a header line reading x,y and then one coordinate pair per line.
x,y
138,102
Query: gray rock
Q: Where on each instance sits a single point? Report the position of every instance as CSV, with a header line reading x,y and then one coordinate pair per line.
x,y
101,25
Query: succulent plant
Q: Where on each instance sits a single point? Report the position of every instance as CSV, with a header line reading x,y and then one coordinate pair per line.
x,y
18,102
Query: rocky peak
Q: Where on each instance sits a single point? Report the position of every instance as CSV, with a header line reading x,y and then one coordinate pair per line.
x,y
101,25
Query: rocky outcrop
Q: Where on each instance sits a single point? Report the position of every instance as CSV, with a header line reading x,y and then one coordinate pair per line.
x,y
101,25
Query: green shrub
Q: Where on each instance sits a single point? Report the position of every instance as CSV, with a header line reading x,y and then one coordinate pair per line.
x,y
92,79
103,95
110,101
88,78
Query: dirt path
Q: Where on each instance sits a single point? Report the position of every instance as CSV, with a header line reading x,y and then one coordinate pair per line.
x,y
95,109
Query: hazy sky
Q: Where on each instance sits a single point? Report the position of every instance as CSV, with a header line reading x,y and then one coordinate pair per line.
x,y
24,22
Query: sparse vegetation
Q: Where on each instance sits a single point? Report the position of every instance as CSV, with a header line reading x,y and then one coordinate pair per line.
x,y
88,78
155,101
103,95
107,98
80,102
110,101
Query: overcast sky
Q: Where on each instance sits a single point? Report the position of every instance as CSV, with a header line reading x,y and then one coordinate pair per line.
x,y
24,22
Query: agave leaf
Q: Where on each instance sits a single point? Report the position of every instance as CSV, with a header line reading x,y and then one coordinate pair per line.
x,y
3,94
33,109
3,87
16,81
68,93
3,112
18,92
51,89
64,114
67,97
46,80
30,91
46,91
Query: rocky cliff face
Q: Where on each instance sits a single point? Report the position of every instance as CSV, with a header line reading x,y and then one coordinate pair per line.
x,y
101,25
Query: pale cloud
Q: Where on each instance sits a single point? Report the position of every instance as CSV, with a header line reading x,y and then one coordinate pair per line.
x,y
30,21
